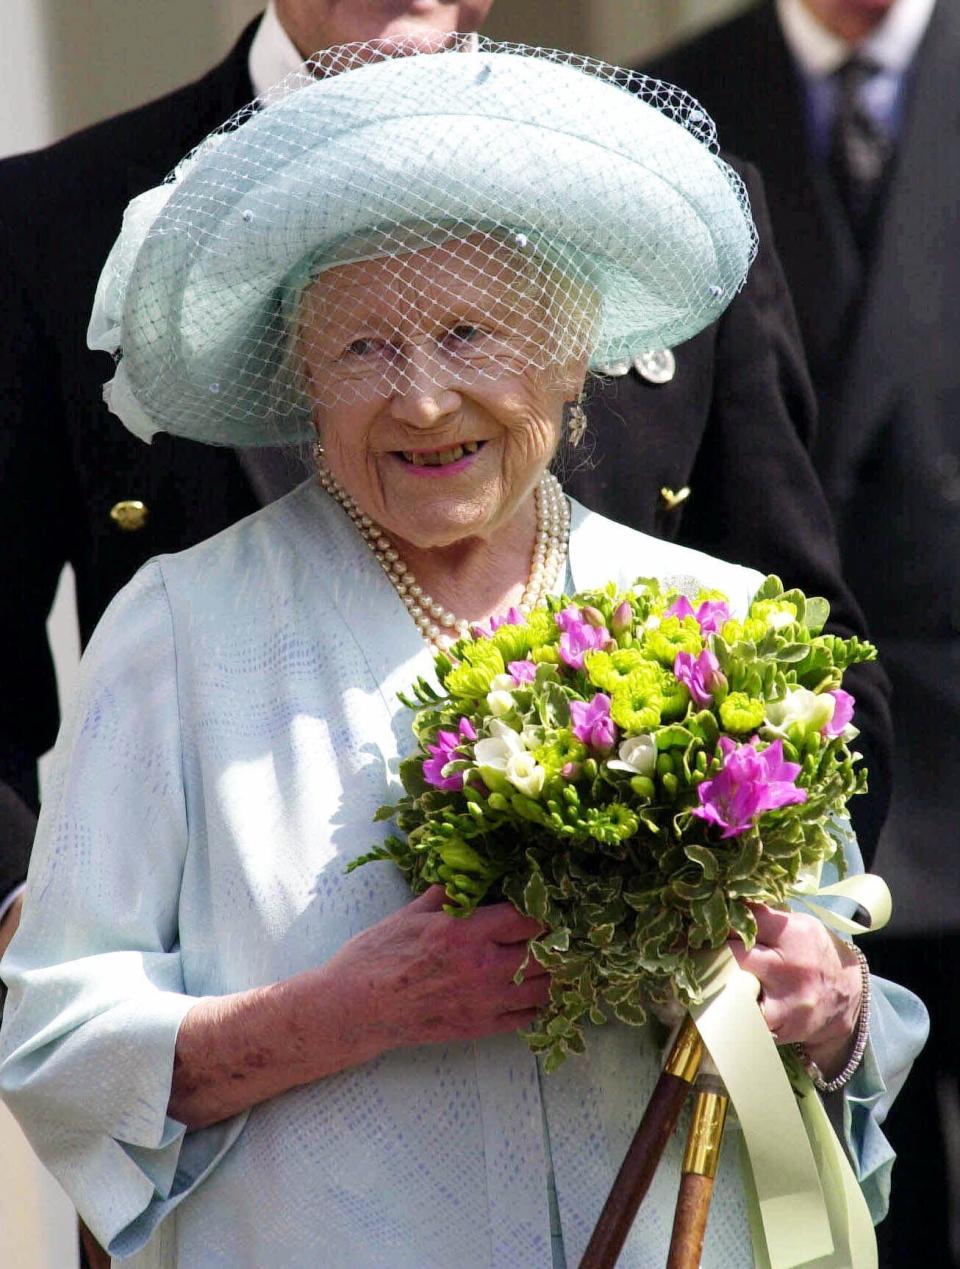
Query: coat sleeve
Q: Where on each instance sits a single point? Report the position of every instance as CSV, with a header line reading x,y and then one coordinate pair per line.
x,y
96,991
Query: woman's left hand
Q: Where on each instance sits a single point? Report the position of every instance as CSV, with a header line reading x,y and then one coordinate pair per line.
x,y
810,984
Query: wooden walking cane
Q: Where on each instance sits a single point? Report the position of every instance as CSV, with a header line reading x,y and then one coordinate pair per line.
x,y
649,1141
700,1161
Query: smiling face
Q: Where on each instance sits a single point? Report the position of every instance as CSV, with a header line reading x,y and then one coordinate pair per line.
x,y
430,407
319,24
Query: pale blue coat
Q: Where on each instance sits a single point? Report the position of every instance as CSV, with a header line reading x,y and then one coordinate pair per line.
x,y
235,729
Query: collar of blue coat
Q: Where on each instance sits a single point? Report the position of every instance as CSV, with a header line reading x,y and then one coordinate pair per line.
x,y
353,585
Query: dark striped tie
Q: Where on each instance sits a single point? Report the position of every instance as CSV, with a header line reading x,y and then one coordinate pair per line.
x,y
860,149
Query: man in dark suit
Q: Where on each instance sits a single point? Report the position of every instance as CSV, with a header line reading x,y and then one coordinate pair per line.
x,y
709,447
851,110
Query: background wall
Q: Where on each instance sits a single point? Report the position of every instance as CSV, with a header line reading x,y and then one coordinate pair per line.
x,y
67,63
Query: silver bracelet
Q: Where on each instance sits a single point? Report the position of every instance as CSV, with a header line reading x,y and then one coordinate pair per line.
x,y
859,1046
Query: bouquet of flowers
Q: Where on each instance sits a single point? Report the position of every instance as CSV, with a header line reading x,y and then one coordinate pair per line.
x,y
633,770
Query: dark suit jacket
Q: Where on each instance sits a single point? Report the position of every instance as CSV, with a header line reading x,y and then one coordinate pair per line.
x,y
883,337
732,425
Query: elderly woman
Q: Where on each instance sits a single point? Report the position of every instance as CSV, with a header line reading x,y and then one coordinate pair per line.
x,y
228,1050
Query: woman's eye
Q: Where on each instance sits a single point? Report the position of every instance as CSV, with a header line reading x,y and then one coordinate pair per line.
x,y
359,348
463,334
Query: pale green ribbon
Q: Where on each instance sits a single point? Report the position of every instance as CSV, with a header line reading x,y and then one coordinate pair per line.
x,y
806,1207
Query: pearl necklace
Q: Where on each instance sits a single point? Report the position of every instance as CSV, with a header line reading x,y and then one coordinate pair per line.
x,y
439,626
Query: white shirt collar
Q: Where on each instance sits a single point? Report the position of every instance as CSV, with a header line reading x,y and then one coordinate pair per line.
x,y
891,45
273,55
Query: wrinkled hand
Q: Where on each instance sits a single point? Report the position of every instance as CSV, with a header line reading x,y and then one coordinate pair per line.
x,y
810,983
422,977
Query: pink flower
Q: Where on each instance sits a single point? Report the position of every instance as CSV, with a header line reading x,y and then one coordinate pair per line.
x,y
700,675
446,748
579,636
523,671
592,723
622,618
485,629
842,714
749,783
712,614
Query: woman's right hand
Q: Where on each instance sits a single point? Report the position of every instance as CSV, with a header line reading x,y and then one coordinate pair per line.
x,y
421,976
418,976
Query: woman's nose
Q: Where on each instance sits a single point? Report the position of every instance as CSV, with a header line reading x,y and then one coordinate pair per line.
x,y
425,390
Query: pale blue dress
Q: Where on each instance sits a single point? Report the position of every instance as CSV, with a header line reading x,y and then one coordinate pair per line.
x,y
235,729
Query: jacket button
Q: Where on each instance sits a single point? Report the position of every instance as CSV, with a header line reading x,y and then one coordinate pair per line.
x,y
129,515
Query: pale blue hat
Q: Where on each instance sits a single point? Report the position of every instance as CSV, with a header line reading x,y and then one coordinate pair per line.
x,y
610,178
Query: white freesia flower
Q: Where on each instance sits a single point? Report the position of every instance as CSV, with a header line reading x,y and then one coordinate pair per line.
x,y
525,773
502,683
811,710
499,702
494,751
637,754
497,728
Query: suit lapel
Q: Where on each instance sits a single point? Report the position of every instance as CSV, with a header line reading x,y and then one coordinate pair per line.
x,y
213,99
914,271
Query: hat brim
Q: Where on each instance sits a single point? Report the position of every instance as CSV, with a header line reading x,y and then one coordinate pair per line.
x,y
595,176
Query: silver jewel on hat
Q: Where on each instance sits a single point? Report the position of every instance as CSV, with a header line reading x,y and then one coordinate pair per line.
x,y
613,369
656,365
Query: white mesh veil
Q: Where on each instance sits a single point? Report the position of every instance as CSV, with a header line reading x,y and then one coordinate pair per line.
x,y
389,217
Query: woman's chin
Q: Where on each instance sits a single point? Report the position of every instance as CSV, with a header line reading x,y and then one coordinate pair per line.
x,y
436,507
430,533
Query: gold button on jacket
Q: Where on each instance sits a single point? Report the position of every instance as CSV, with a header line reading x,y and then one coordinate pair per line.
x,y
129,515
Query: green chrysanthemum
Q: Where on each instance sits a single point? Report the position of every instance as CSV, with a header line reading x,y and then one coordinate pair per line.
x,y
512,642
636,704
676,698
741,713
545,652
774,613
606,670
542,628
614,823
481,664
673,635
752,630
562,748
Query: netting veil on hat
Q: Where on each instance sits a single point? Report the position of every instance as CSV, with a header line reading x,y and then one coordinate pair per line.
x,y
393,214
